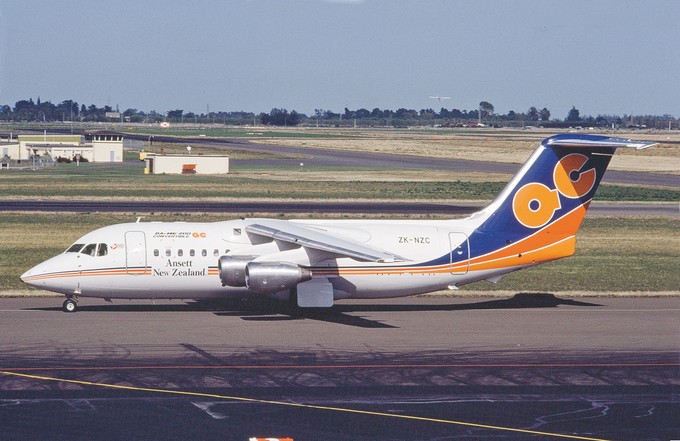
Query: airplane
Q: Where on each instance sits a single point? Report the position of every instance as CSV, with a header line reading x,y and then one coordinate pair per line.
x,y
313,263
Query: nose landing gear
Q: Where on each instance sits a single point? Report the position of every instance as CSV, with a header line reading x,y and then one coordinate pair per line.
x,y
70,304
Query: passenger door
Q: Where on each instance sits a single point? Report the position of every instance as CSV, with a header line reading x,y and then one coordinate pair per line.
x,y
135,252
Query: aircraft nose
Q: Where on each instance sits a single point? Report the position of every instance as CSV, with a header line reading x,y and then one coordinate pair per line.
x,y
39,275
29,277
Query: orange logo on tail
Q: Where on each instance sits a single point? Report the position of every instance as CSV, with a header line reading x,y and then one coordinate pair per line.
x,y
535,204
578,187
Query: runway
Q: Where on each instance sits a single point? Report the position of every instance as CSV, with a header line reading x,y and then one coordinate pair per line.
x,y
598,208
533,366
319,157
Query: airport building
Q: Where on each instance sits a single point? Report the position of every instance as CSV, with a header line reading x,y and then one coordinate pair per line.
x,y
95,147
186,164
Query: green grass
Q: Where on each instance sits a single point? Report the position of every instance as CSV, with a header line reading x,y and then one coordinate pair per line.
x,y
95,181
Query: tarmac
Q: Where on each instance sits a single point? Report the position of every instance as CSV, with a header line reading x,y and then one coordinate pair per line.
x,y
528,366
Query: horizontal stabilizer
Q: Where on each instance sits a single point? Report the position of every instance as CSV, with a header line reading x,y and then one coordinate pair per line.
x,y
318,240
584,141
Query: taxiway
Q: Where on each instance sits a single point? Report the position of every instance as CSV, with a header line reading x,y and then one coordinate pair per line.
x,y
532,366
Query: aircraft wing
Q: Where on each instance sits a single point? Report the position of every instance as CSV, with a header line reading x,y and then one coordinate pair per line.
x,y
318,240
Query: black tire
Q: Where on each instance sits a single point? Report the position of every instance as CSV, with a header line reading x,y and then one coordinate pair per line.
x,y
69,305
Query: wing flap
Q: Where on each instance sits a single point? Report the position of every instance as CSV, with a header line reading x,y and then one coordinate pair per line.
x,y
318,240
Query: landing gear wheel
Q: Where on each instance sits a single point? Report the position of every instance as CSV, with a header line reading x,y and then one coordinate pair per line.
x,y
69,305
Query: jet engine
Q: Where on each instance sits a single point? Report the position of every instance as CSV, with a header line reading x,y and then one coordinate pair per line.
x,y
232,269
271,277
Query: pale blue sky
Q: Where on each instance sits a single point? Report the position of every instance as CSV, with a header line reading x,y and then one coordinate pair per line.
x,y
609,57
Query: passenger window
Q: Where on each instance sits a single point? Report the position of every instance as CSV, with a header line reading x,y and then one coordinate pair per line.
x,y
180,252
76,247
168,252
156,253
89,249
204,253
103,250
216,252
192,253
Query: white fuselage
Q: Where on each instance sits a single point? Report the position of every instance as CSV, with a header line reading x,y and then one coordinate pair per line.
x,y
180,260
533,220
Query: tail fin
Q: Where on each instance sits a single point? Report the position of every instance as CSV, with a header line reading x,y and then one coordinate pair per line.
x,y
535,218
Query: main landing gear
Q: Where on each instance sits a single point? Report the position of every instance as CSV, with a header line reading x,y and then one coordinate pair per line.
x,y
70,305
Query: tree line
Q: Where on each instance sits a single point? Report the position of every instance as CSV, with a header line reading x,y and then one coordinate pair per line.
x,y
484,115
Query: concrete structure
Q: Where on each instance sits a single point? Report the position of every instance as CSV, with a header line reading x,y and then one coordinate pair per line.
x,y
187,164
65,146
107,146
8,151
96,147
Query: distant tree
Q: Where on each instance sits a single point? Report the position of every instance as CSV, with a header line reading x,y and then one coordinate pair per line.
x,y
455,113
362,113
175,114
513,116
405,113
486,108
574,115
601,120
294,118
5,112
328,114
280,117
68,108
533,114
545,114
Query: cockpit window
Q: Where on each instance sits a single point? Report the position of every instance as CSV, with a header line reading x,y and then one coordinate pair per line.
x,y
89,249
75,248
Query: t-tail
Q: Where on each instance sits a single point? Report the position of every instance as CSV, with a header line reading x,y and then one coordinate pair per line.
x,y
535,218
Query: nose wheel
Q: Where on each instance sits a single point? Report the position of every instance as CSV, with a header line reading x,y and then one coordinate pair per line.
x,y
70,305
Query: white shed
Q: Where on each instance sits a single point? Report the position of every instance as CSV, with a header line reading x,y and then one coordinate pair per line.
x,y
187,164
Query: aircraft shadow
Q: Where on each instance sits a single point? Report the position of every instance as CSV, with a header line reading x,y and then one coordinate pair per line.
x,y
518,301
265,310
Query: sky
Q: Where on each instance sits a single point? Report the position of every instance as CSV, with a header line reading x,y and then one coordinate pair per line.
x,y
602,56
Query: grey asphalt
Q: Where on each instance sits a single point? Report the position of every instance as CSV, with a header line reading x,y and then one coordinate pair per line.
x,y
420,368
639,209
317,157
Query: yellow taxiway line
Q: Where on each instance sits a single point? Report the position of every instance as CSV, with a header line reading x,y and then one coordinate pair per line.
x,y
298,405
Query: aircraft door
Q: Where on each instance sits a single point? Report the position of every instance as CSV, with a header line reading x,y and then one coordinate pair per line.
x,y
460,253
135,252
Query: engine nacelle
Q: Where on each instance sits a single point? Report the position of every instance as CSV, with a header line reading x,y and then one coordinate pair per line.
x,y
232,269
271,277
